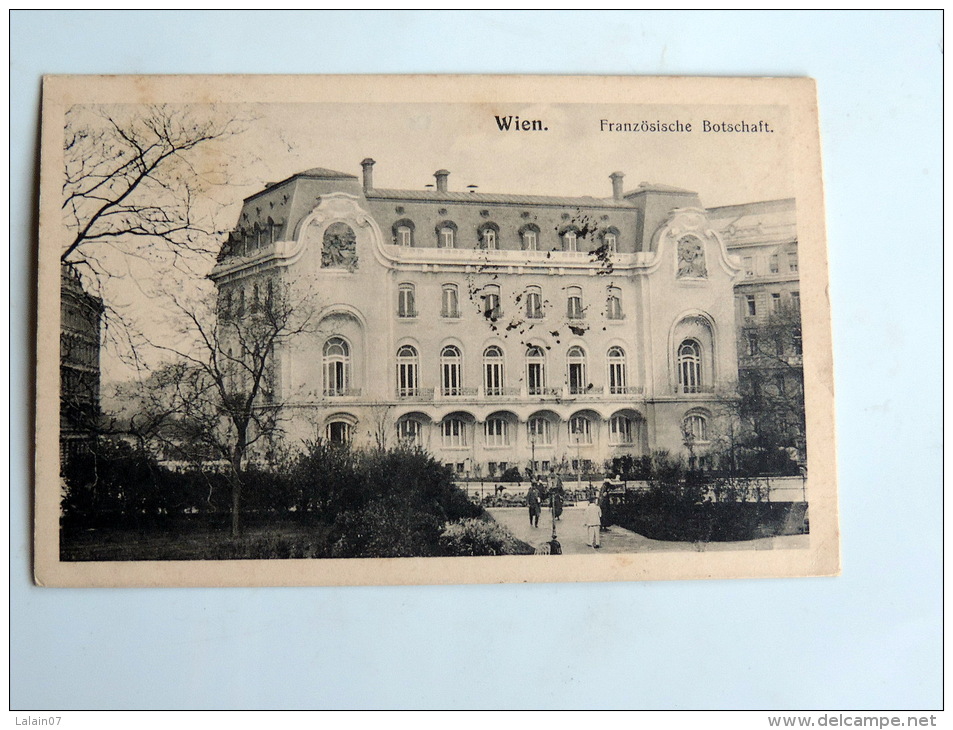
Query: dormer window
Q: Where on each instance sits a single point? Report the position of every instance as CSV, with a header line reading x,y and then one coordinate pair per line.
x,y
529,236
404,233
447,235
489,236
570,240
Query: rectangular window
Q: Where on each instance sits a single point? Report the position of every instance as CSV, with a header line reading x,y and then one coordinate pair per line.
x,y
774,264
752,344
776,302
493,373
491,468
406,380
534,305
451,378
620,430
405,303
752,306
792,261
446,238
796,300
496,432
534,374
489,238
530,241
614,309
749,266
454,433
449,306
575,307
577,378
617,378
540,431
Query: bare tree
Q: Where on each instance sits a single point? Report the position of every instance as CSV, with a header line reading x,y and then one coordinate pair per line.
x,y
217,397
137,177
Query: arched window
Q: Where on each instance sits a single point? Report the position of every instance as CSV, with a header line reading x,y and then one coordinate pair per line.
x,y
255,299
406,306
570,240
535,370
337,366
580,430
410,432
695,428
447,234
617,379
689,367
529,237
540,431
449,306
610,239
454,433
272,231
574,309
578,382
493,371
451,374
226,304
614,303
534,303
338,432
491,302
620,430
240,307
404,233
407,364
496,432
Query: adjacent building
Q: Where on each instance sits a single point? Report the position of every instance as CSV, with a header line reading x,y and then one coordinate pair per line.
x,y
80,326
763,237
495,330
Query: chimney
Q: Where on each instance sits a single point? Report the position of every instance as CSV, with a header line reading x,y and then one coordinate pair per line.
x,y
368,164
617,185
442,176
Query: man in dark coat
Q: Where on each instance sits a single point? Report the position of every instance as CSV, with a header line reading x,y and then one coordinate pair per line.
x,y
532,501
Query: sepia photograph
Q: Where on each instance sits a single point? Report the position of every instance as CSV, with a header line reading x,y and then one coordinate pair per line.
x,y
496,328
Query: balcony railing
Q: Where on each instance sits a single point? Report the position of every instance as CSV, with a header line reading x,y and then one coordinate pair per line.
x,y
694,389
459,392
341,392
417,395
502,392
626,390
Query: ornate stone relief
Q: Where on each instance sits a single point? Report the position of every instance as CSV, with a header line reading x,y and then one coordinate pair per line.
x,y
339,248
691,258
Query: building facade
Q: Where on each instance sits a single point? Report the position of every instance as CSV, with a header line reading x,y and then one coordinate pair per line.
x,y
80,329
494,330
763,237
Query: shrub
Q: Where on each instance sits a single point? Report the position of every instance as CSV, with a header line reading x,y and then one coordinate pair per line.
x,y
386,528
480,537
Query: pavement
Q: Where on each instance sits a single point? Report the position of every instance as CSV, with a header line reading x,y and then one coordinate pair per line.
x,y
572,535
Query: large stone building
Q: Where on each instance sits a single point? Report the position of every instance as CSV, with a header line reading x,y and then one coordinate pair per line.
x,y
80,326
494,330
763,236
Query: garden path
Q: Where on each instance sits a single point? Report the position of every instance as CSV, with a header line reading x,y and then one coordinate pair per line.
x,y
571,533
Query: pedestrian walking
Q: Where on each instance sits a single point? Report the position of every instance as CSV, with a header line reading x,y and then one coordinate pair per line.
x,y
603,500
593,520
532,501
556,489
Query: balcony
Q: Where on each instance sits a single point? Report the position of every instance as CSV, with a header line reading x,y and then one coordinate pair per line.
x,y
502,392
415,395
342,392
626,390
694,389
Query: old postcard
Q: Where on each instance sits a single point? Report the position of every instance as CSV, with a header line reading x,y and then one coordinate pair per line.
x,y
386,330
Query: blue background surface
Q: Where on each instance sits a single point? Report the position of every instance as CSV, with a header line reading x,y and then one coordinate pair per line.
x,y
870,639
